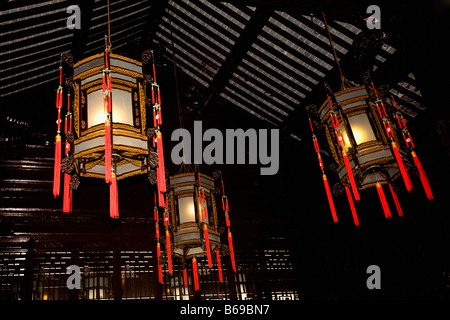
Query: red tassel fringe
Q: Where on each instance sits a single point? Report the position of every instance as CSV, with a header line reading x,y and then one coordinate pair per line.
x,y
351,178
397,203
160,171
67,201
185,278
387,212
57,167
423,176
208,248
230,245
195,273
108,151
330,198
113,197
219,266
402,168
169,252
158,255
352,206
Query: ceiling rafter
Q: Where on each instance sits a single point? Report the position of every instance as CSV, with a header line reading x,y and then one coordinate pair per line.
x,y
247,37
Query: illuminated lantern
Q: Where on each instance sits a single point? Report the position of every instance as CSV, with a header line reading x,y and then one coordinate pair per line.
x,y
191,225
125,121
364,143
365,146
106,133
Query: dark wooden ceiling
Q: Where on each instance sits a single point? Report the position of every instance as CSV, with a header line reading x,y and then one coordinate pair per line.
x,y
268,58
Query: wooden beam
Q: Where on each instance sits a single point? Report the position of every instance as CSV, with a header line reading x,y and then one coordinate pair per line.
x,y
241,46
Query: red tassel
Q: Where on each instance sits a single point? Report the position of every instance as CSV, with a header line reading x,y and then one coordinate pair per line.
x,y
330,198
157,230
397,203
113,197
227,220
160,115
169,252
106,58
160,171
387,212
230,245
66,198
158,255
153,96
352,206
109,94
423,176
108,151
57,167
351,178
185,278
219,266
195,273
161,161
402,168
208,248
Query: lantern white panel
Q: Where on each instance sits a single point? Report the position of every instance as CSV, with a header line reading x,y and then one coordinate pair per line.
x,y
186,209
361,128
121,107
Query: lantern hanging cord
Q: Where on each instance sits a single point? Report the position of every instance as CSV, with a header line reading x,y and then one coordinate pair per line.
x,y
109,29
184,167
343,80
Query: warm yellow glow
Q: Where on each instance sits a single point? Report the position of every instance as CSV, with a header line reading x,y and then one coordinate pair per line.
x,y
45,297
186,209
361,129
121,107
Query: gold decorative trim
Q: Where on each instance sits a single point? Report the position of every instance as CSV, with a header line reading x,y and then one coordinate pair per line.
x,y
113,85
214,207
127,127
126,72
92,175
331,144
132,173
95,88
88,152
136,151
113,82
89,72
352,100
92,83
356,111
371,145
98,55
367,164
116,132
101,126
76,108
116,56
92,164
341,92
143,108
102,176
